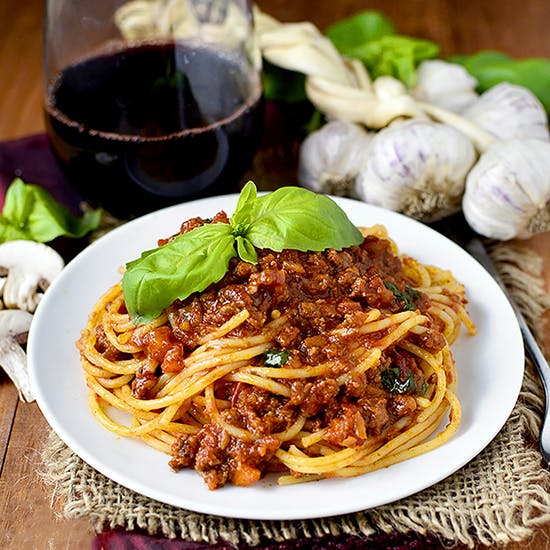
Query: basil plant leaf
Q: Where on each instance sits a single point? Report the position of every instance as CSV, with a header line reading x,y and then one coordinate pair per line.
x,y
49,219
491,68
246,250
360,28
10,232
296,218
391,380
370,37
18,203
241,217
187,264
276,358
396,56
478,61
37,215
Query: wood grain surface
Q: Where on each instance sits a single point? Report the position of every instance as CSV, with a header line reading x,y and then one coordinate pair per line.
x,y
29,516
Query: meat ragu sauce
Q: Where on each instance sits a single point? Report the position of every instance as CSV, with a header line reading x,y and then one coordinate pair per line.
x,y
317,291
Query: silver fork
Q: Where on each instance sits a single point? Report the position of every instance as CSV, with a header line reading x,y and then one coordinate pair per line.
x,y
457,229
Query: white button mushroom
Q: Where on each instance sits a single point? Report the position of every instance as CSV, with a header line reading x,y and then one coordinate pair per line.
x,y
28,268
14,326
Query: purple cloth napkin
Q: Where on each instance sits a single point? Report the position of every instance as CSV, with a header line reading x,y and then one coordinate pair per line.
x,y
122,540
31,159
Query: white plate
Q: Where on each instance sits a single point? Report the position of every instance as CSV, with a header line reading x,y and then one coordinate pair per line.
x,y
490,370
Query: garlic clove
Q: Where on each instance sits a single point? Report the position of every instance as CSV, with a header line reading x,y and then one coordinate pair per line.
x,y
332,157
417,167
508,191
508,111
445,84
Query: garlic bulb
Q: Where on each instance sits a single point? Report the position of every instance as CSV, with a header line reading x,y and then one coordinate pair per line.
x,y
332,157
417,167
445,84
508,190
509,111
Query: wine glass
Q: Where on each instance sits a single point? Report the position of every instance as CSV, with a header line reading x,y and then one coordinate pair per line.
x,y
152,103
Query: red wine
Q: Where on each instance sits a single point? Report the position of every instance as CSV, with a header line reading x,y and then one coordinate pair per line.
x,y
140,128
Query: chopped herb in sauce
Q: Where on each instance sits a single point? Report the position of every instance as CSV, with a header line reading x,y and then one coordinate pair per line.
x,y
275,358
391,380
409,296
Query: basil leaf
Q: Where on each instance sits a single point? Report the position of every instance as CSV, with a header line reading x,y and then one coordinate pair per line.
x,y
296,218
246,250
187,264
10,232
360,28
276,358
480,60
491,68
409,296
18,203
370,37
49,219
391,381
396,56
241,217
39,217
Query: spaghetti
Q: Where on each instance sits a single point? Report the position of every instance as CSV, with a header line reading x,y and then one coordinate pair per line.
x,y
308,364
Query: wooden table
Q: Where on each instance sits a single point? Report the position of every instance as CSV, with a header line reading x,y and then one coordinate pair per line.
x,y
517,27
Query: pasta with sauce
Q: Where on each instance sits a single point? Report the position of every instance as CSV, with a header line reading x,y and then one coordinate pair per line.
x,y
308,364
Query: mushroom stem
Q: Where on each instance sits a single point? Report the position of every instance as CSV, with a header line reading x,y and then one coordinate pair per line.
x,y
14,362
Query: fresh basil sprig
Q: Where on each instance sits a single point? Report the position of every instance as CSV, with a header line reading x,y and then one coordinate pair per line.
x,y
362,27
370,37
31,213
288,218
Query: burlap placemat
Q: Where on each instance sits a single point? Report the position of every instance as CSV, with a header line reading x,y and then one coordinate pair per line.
x,y
466,508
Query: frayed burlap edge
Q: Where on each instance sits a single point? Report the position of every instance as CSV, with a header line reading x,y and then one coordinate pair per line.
x,y
466,508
